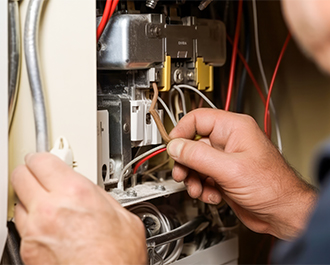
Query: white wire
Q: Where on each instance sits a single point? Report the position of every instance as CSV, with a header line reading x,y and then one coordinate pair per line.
x,y
168,111
170,105
262,71
199,93
183,100
123,173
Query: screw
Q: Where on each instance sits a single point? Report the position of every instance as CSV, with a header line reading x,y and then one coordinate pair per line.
x,y
178,76
131,193
190,75
160,187
126,128
151,3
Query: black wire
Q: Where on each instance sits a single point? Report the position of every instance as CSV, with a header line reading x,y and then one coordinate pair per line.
x,y
241,90
177,233
12,247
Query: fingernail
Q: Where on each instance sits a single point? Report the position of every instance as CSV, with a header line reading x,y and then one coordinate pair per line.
x,y
28,156
174,147
214,198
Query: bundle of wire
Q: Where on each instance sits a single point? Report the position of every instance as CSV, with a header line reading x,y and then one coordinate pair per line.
x,y
234,55
273,81
110,7
164,254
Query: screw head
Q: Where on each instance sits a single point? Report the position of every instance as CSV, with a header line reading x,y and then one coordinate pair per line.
x,y
190,75
160,187
178,76
131,193
126,128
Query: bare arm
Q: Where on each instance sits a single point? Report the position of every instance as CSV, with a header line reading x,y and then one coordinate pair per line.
x,y
236,161
63,218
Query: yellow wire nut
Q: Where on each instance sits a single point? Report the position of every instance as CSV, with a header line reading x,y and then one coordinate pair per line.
x,y
204,75
165,84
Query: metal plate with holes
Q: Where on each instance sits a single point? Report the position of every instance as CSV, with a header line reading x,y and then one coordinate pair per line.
x,y
146,191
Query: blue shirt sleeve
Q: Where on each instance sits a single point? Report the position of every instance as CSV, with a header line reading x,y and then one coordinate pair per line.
x,y
313,246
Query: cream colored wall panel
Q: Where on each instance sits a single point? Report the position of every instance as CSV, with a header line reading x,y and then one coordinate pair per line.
x,y
3,122
67,45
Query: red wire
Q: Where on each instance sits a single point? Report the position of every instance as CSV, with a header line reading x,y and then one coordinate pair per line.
x,y
105,18
254,81
113,7
234,54
273,81
147,158
248,69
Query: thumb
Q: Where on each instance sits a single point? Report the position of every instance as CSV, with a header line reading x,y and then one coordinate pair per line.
x,y
201,157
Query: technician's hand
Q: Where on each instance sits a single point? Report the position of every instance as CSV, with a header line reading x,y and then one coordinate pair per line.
x,y
235,161
63,218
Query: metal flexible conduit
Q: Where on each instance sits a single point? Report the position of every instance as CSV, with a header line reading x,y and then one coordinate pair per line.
x,y
32,64
176,233
14,58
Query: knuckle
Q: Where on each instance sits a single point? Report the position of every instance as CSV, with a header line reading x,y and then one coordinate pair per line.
x,y
79,189
248,120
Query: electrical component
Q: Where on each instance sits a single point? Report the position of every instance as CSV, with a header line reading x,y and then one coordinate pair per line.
x,y
144,129
104,165
139,55
62,150
181,52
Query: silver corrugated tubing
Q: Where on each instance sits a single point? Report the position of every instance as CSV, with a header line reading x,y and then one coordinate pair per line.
x,y
32,64
14,58
177,233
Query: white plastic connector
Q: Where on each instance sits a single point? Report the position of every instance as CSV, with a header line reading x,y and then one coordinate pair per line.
x,y
62,150
103,147
144,130
137,122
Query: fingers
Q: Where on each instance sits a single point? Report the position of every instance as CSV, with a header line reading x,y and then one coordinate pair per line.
x,y
193,185
203,122
210,193
50,171
20,218
202,158
206,192
27,187
179,172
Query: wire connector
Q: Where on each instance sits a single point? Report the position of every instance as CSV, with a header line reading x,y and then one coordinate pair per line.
x,y
62,150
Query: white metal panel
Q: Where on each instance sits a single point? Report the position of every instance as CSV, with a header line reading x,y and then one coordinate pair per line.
x,y
67,45
226,252
3,122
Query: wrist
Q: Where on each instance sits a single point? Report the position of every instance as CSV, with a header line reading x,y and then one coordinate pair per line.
x,y
295,209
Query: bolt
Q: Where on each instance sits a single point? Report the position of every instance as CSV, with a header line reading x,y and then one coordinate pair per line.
x,y
178,76
160,187
190,75
151,3
126,128
131,193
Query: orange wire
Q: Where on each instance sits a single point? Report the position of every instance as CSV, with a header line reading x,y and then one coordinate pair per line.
x,y
234,54
273,81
